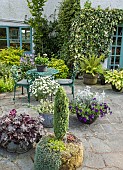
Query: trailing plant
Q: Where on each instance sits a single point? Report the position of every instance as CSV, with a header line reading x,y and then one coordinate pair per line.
x,y
11,56
89,105
60,65
61,113
92,30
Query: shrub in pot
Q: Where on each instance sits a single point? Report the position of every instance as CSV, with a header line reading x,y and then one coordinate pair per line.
x,y
61,150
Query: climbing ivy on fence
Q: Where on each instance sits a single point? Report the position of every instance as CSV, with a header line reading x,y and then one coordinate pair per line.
x,y
92,30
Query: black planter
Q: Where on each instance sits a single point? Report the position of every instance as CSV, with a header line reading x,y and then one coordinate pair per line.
x,y
41,68
90,121
115,89
48,120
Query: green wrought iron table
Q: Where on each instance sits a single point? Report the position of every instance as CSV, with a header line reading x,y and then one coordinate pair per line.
x,y
34,73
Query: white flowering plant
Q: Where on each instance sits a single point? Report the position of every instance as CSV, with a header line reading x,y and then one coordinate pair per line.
x,y
43,87
45,106
89,105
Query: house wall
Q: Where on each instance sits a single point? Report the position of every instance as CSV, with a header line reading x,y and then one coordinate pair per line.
x,y
12,12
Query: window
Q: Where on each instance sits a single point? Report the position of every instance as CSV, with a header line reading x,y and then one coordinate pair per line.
x,y
116,56
3,38
16,37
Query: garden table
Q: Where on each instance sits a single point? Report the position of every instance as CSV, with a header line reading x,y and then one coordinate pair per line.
x,y
34,73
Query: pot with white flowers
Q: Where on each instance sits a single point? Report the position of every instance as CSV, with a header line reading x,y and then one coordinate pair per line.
x,y
88,106
19,132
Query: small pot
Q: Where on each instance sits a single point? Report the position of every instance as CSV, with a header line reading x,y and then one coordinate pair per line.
x,y
41,68
48,120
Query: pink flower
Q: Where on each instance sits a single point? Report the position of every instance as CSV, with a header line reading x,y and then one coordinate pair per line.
x,y
13,112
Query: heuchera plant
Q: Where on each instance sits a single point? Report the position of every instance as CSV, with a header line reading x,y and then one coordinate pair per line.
x,y
89,105
21,129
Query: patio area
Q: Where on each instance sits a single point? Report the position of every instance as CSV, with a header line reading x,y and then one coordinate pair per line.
x,y
102,140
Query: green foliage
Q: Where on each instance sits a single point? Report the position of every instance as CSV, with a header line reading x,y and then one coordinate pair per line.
x,y
42,60
56,145
46,158
92,30
91,65
114,77
10,56
61,113
67,12
59,64
6,84
26,63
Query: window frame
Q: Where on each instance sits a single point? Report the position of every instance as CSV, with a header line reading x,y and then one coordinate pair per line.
x,y
115,46
20,39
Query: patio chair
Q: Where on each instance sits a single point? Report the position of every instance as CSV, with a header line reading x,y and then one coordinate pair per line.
x,y
69,82
18,82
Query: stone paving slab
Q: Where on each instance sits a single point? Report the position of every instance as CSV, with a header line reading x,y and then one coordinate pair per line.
x,y
102,140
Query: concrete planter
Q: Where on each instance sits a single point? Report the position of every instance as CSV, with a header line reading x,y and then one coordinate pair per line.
x,y
89,79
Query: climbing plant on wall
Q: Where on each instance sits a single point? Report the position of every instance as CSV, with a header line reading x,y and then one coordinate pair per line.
x,y
92,30
67,12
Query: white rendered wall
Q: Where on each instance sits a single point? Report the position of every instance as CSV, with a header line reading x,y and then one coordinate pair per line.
x,y
13,10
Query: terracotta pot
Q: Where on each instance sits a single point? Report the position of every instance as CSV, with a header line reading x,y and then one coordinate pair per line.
x,y
115,89
41,68
89,79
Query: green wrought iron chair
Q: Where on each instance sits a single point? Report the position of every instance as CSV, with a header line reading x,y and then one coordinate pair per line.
x,y
69,82
18,82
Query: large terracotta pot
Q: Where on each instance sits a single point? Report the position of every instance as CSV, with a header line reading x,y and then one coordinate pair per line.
x,y
89,79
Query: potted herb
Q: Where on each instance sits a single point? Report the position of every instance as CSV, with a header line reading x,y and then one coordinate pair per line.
x,y
115,77
41,62
88,106
91,67
19,132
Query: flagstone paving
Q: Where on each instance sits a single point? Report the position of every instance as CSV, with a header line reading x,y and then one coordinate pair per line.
x,y
102,140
